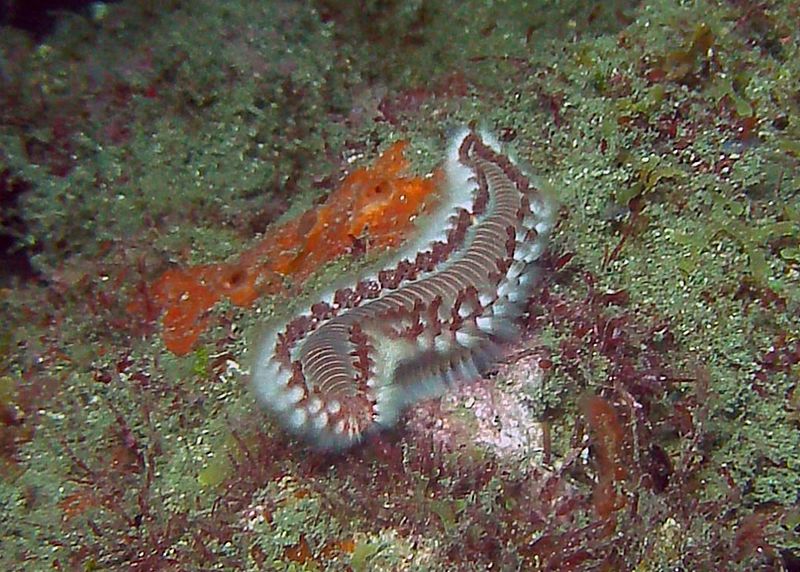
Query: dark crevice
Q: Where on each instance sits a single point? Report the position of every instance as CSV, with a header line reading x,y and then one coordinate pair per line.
x,y
15,257
39,17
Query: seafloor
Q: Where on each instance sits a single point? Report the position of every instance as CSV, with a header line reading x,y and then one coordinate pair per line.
x,y
647,419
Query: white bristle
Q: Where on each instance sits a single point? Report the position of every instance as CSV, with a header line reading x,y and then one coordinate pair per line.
x,y
315,406
505,287
464,339
534,251
544,226
484,323
298,418
443,343
517,267
295,394
321,420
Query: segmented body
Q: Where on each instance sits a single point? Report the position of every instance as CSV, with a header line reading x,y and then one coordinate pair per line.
x,y
349,365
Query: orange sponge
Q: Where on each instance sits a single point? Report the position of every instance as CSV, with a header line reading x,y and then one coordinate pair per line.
x,y
375,206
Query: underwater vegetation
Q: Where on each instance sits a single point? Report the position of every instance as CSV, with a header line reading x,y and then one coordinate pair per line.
x,y
175,176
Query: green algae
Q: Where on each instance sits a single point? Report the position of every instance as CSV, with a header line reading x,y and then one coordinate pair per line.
x,y
293,518
725,343
217,152
363,552
173,161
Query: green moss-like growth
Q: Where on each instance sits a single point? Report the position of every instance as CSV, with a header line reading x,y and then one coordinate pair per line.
x,y
147,137
293,518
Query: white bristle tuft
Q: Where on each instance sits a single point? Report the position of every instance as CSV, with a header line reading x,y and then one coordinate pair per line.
x,y
442,343
484,323
544,226
295,394
464,339
298,418
505,288
321,420
485,299
525,281
517,267
535,250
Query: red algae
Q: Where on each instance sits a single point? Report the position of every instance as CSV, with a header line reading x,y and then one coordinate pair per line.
x,y
607,439
375,204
